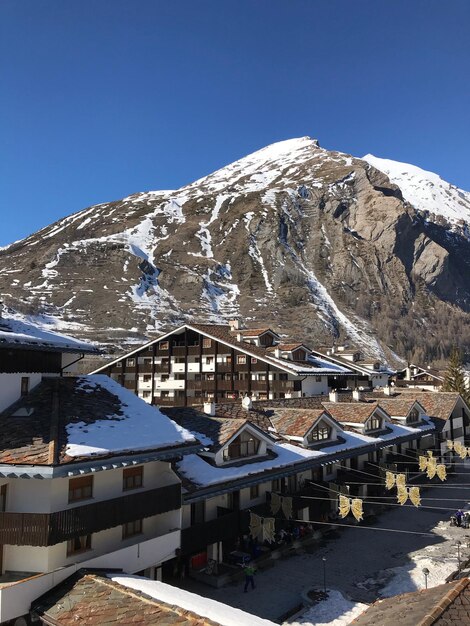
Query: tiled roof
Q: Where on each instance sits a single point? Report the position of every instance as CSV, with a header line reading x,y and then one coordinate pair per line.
x,y
38,435
444,605
287,347
223,333
357,412
399,406
254,332
218,430
295,422
256,415
96,600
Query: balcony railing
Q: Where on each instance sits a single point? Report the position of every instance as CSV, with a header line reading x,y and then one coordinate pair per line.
x,y
224,528
47,529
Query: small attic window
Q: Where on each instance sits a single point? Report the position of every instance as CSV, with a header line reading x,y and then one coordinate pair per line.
x,y
375,423
23,412
322,432
413,416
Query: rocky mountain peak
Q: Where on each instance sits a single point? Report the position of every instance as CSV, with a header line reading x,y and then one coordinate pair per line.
x,y
316,243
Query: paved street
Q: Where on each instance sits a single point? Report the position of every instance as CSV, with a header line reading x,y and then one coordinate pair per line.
x,y
356,558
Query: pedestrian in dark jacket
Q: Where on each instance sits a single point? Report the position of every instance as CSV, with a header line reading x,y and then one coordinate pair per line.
x,y
459,516
249,576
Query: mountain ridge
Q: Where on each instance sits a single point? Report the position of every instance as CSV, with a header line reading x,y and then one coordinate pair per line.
x,y
317,242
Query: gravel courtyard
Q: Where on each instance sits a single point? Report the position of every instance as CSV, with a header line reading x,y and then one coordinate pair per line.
x,y
360,562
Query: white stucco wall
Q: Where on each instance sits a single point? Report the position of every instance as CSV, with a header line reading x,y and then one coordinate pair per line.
x,y
310,387
10,387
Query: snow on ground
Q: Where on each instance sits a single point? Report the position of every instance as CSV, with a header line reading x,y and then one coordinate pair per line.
x,y
141,427
410,577
334,611
210,609
425,190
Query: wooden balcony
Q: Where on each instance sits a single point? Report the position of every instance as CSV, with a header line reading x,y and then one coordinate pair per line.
x,y
224,528
48,529
193,350
259,385
224,368
178,351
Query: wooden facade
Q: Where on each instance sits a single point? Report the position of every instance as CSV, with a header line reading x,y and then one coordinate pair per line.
x,y
13,360
190,368
47,529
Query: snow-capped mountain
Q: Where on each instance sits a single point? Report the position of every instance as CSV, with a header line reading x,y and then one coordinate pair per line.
x,y
316,243
426,191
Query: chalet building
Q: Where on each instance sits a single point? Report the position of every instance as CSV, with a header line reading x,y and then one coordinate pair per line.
x,y
424,378
309,449
368,373
29,354
85,471
197,363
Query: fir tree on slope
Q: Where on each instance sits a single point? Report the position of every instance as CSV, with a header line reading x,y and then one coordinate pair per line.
x,y
454,378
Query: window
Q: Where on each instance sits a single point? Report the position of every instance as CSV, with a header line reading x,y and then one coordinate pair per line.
x,y
132,528
318,379
147,378
244,445
319,433
207,343
283,376
118,364
24,385
132,477
254,492
209,360
78,544
210,377
164,377
413,416
276,485
163,345
3,498
146,394
164,394
147,360
180,376
374,423
130,362
80,488
180,359
241,359
198,512
253,360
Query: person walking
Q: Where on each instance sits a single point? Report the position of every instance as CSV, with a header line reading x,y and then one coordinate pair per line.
x,y
249,576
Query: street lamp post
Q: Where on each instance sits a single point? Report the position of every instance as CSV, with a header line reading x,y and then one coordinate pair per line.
x,y
324,573
426,574
459,543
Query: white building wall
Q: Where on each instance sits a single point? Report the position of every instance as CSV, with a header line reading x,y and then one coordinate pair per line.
x,y
311,387
10,387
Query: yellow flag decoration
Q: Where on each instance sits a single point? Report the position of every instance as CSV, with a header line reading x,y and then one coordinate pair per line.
x,y
450,444
460,449
423,463
432,467
353,505
403,493
430,454
389,480
441,472
392,479
415,496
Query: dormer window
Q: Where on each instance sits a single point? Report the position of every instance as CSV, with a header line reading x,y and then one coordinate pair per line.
x,y
243,446
241,359
413,416
375,423
321,432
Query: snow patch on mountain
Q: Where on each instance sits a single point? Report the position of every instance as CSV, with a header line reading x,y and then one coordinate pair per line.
x,y
425,190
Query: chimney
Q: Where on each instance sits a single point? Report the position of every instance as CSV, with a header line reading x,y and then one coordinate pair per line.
x,y
357,395
334,396
247,403
209,408
388,391
234,325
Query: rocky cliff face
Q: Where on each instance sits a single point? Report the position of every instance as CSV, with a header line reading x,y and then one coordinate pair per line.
x,y
316,243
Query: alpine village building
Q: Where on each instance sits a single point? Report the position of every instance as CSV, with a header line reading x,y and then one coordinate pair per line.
x,y
95,478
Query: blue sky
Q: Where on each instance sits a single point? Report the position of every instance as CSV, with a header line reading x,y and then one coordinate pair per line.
x,y
103,98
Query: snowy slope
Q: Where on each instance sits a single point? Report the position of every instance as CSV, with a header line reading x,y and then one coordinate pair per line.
x,y
425,190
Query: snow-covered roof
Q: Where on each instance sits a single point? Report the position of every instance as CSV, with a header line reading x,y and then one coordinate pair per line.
x,y
65,420
200,472
32,333
222,614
